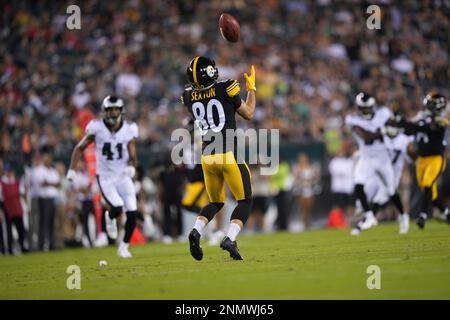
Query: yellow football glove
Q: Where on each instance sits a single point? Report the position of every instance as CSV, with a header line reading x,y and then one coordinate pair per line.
x,y
250,79
441,121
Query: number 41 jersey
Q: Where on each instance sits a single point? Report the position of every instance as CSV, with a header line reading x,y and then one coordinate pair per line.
x,y
214,111
111,148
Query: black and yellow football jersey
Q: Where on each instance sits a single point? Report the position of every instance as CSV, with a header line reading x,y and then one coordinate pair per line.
x,y
429,133
214,111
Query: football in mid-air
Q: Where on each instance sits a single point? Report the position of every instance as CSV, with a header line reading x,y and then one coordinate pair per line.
x,y
229,27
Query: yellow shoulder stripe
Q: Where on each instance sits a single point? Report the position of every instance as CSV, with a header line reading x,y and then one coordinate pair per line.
x,y
234,91
231,85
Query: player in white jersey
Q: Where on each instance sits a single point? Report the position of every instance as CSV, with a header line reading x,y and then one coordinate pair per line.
x,y
116,160
399,146
368,128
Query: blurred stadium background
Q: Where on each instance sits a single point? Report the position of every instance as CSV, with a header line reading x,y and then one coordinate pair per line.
x,y
311,58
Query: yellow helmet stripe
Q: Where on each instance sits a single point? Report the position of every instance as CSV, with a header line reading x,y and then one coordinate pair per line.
x,y
194,70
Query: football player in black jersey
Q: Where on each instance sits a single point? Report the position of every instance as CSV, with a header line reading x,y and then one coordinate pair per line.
x,y
213,105
429,131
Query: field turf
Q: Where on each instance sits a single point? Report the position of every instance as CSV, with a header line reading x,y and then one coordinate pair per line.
x,y
324,264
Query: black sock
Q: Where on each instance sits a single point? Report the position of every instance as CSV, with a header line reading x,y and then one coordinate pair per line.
x,y
438,203
361,196
103,219
242,210
140,216
114,212
129,225
427,200
397,202
375,208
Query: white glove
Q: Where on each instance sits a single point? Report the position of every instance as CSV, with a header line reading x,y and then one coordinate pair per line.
x,y
383,131
130,171
71,175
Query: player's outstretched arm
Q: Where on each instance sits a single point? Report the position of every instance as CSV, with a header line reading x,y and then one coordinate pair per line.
x,y
76,154
131,169
367,136
247,108
412,128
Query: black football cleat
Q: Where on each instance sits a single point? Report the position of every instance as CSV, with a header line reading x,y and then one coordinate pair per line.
x,y
231,247
447,215
421,222
194,245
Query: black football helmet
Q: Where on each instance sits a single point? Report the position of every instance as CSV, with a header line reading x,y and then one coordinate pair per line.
x,y
365,104
392,131
435,103
202,73
109,104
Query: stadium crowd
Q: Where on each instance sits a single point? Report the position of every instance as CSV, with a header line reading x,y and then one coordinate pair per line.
x,y
311,58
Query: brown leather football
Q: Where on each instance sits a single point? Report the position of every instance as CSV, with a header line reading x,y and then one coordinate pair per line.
x,y
229,27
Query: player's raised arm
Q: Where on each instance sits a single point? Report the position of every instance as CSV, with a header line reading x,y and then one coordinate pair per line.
x,y
76,154
247,108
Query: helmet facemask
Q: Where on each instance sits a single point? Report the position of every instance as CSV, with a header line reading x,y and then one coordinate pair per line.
x,y
366,112
112,110
392,132
113,115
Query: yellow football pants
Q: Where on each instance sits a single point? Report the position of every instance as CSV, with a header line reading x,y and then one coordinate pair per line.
x,y
221,168
195,195
428,170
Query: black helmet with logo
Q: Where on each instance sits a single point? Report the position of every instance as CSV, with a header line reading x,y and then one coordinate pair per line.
x,y
202,73
435,103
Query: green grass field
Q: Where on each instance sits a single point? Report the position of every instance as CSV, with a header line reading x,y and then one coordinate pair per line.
x,y
325,264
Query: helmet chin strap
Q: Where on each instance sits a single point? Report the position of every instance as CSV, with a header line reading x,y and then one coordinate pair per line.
x,y
210,86
113,121
367,116
205,88
392,131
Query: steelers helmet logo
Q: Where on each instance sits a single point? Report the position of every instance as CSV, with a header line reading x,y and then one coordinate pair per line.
x,y
210,71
